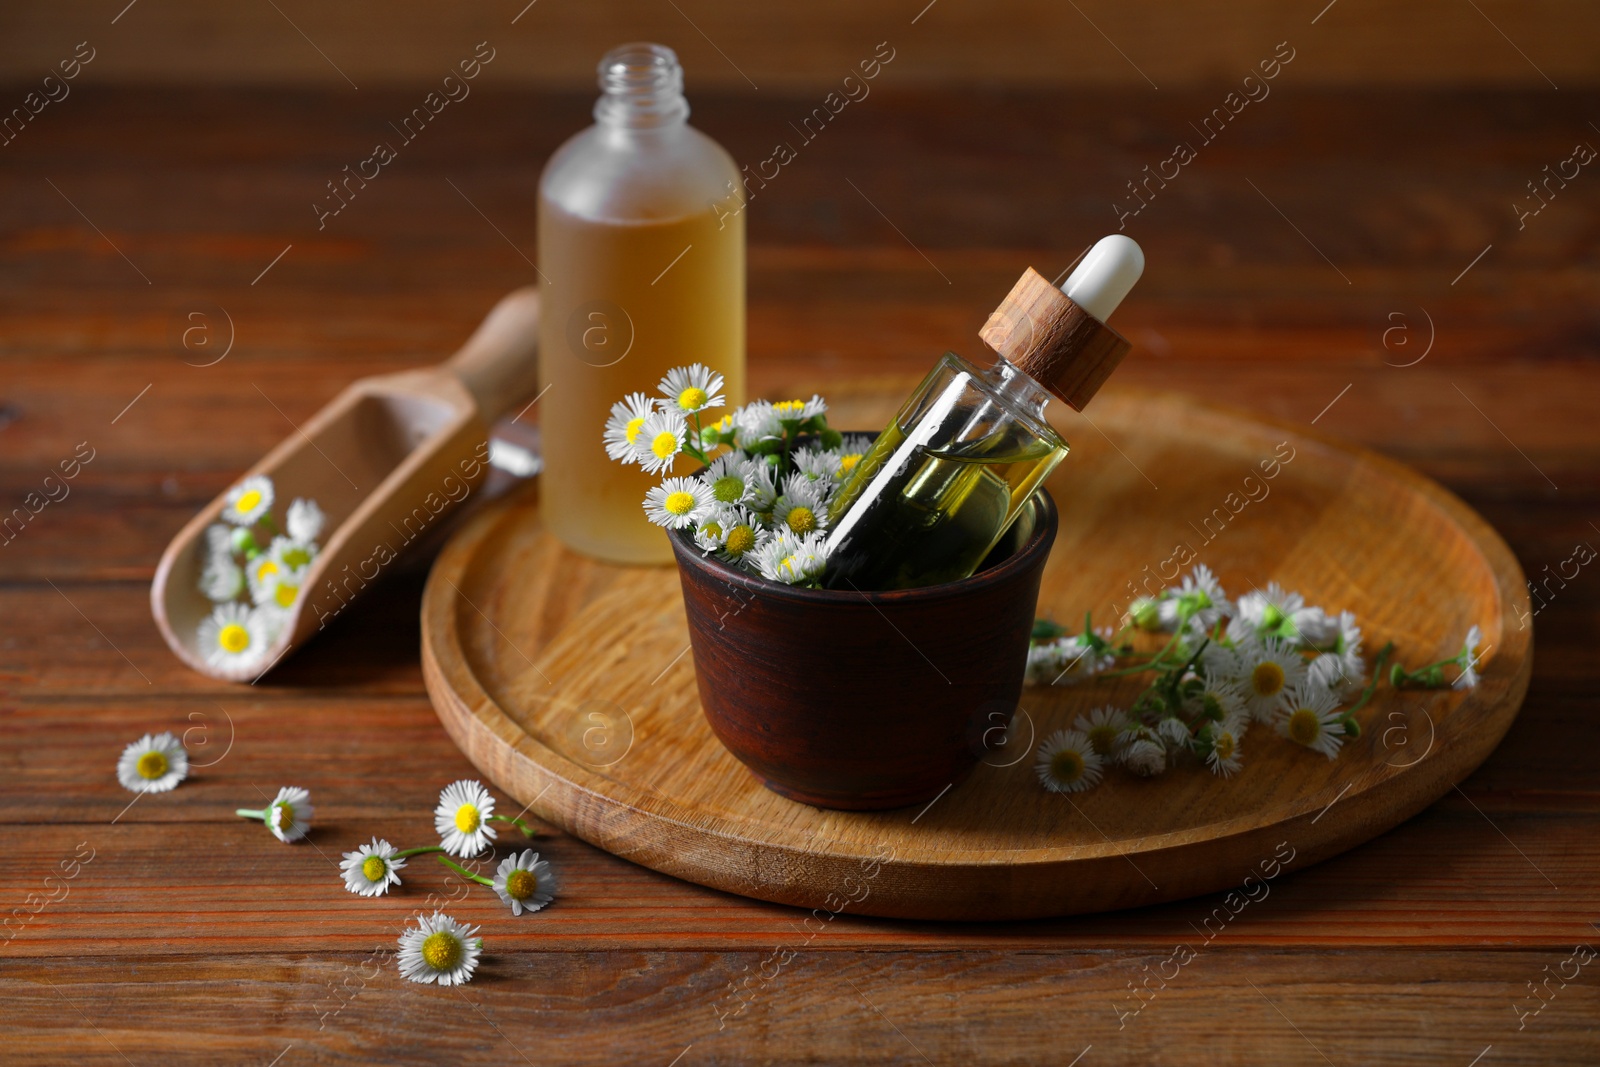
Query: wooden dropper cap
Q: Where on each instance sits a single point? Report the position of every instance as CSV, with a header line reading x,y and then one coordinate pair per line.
x,y
1058,337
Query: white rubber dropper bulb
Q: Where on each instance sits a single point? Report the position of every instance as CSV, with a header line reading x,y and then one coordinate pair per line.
x,y
1105,276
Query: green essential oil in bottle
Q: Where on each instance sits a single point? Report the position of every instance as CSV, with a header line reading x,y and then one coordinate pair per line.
x,y
960,461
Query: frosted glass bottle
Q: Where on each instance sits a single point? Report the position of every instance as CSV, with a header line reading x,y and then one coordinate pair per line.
x,y
642,272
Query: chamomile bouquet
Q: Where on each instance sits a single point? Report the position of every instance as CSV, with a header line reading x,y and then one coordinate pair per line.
x,y
770,471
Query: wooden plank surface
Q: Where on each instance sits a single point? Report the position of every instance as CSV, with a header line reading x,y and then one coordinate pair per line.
x,y
194,938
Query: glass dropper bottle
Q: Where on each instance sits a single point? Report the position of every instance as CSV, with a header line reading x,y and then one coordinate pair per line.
x,y
970,446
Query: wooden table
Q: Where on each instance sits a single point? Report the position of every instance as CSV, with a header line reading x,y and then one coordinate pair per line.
x,y
1288,263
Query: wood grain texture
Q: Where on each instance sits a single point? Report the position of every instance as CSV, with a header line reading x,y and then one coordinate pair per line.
x,y
566,682
191,940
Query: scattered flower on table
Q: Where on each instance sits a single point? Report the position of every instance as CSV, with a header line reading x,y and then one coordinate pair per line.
x,y
771,472
440,950
1270,658
371,870
288,816
462,818
155,763
525,882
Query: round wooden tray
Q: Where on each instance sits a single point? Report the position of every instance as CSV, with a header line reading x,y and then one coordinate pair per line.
x,y
569,683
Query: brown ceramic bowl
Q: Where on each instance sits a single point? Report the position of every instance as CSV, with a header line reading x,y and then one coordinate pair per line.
x,y
865,700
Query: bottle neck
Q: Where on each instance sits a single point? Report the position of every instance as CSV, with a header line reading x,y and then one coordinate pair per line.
x,y
641,89
1018,389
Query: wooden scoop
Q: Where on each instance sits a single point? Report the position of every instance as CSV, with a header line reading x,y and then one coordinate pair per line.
x,y
386,461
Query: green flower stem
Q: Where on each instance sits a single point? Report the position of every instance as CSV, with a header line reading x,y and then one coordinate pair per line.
x,y
480,879
418,851
1377,674
527,831
249,814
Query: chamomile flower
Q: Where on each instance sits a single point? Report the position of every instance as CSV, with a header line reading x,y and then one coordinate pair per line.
x,y
761,481
370,870
1222,747
1106,728
851,452
1266,612
627,418
219,542
153,764
292,554
525,882
280,590
743,538
1312,627
659,440
797,411
440,950
677,502
462,818
1268,669
248,501
1044,663
710,530
1200,600
802,509
791,559
289,814
730,479
222,580
1143,752
234,636
1220,698
1309,718
305,520
817,463
693,388
1067,762
1174,731
1468,660
755,423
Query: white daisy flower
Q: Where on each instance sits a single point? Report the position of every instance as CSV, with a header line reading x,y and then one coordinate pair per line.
x,y
153,764
1268,611
1143,752
280,591
234,636
1222,749
1044,663
710,530
1068,763
248,501
1312,627
729,479
1341,667
677,502
756,422
219,542
370,870
659,440
1268,669
1106,730
222,580
1468,660
802,509
1174,731
289,814
1220,698
817,463
622,428
290,554
693,388
791,559
796,411
851,453
1310,719
440,950
305,520
1200,598
761,479
1145,614
743,539
525,882
462,818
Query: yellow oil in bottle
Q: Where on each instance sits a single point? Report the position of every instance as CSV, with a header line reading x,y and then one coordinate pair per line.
x,y
631,301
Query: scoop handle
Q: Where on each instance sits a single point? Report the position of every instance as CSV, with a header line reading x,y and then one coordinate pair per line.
x,y
499,364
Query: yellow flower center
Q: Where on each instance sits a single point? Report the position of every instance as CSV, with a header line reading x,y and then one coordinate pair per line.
x,y
152,765
520,884
1101,738
725,423
441,951
665,444
848,463
373,869
801,520
296,557
1066,766
1222,744
233,638
693,398
632,430
789,409
787,567
467,819
741,539
285,593
711,529
283,817
1266,679
729,488
1304,726
265,569
679,503
248,501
